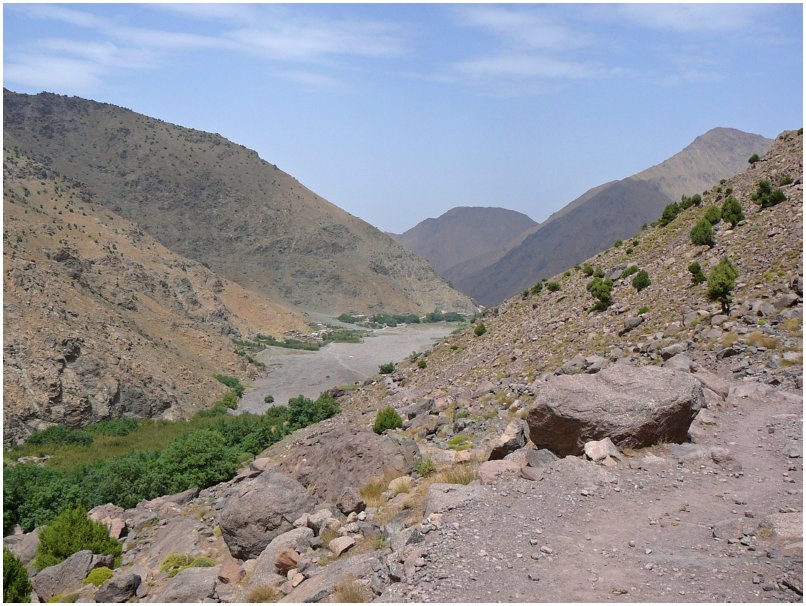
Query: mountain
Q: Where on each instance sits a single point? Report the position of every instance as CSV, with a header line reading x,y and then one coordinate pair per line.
x,y
610,212
100,320
464,233
218,203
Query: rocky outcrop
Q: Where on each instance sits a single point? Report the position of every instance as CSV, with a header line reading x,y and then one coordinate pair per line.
x,y
336,463
260,510
190,585
634,407
118,589
68,575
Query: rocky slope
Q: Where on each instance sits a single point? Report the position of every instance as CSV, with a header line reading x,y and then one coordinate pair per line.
x,y
335,512
102,321
464,233
609,212
219,203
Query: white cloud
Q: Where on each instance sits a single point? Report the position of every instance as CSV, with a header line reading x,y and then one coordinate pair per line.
x,y
44,72
531,66
693,18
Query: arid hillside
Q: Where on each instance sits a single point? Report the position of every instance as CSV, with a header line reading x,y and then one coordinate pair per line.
x,y
609,212
219,203
100,320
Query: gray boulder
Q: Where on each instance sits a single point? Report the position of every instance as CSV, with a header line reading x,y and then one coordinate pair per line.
x,y
336,462
633,406
444,497
190,585
540,458
265,508
23,545
118,589
513,438
68,575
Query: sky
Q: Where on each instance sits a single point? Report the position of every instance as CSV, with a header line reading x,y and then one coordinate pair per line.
x,y
399,112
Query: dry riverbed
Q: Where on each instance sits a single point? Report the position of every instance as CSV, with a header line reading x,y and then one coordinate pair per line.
x,y
292,372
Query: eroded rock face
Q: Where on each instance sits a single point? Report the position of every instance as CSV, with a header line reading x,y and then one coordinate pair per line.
x,y
337,462
266,507
633,406
67,575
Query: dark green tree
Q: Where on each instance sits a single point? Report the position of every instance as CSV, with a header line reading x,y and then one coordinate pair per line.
x,y
732,211
766,196
641,280
713,215
16,586
601,289
697,277
669,213
721,282
387,418
480,329
702,233
70,532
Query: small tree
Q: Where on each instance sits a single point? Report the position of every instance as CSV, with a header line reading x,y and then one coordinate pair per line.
x,y
713,215
732,211
669,213
387,418
16,586
703,233
480,329
721,282
387,369
641,280
601,289
72,531
697,277
766,196
753,159
552,286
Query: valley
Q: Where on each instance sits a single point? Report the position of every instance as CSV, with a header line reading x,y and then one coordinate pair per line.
x,y
293,372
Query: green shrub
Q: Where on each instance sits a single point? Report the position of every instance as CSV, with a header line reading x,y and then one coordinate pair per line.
x,y
99,576
113,427
386,369
753,159
59,434
567,274
421,363
786,180
598,272
713,215
459,443
174,563
72,531
348,318
601,289
199,458
632,269
537,288
670,212
618,243
231,382
269,399
587,269
697,277
642,310
425,467
387,418
525,294
732,211
766,196
721,282
16,585
702,233
303,412
552,286
480,329
641,280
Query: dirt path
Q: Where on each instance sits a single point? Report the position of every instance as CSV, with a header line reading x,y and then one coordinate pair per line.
x,y
293,372
639,532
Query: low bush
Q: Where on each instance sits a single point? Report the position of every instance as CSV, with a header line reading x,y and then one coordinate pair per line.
x,y
713,214
480,329
425,467
669,214
601,290
99,576
618,243
766,196
697,277
16,585
113,427
552,286
387,418
753,159
72,531
303,411
641,280
642,310
632,269
59,434
732,211
269,399
702,233
421,363
386,369
587,269
231,382
537,288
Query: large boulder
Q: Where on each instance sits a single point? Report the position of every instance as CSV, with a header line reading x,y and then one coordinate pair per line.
x,y
119,588
261,510
23,546
336,463
633,406
190,585
68,575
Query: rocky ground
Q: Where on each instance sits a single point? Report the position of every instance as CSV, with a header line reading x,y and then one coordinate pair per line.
x,y
678,430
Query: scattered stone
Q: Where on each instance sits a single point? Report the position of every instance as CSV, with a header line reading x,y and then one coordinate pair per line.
x,y
513,438
603,451
340,544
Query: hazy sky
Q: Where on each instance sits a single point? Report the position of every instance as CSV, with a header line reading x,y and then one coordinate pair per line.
x,y
400,112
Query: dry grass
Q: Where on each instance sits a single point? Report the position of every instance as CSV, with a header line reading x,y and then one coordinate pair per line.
x,y
327,535
402,486
759,339
350,591
463,473
371,491
729,339
262,594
